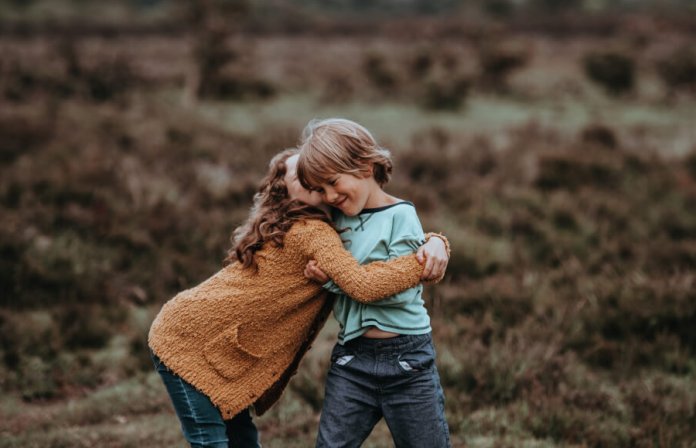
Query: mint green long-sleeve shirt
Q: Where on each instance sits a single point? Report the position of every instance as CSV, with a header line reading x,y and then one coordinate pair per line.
x,y
380,234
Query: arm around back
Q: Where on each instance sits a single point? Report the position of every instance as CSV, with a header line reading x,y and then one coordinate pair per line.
x,y
364,283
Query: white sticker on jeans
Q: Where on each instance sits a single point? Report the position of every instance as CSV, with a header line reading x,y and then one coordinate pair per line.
x,y
343,360
406,366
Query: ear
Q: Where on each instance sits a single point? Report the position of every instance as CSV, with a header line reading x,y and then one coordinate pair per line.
x,y
369,170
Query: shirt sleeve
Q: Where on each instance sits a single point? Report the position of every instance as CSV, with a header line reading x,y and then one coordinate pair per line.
x,y
364,283
332,287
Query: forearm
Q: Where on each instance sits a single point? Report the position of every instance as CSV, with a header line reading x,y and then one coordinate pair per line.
x,y
377,280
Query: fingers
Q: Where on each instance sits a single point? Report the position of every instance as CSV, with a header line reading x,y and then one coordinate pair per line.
x,y
313,272
440,268
420,255
434,268
308,268
427,270
319,275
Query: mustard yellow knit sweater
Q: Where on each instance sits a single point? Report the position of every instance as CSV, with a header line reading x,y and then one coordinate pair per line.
x,y
238,336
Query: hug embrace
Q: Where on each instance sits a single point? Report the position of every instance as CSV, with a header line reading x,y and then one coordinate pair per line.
x,y
322,235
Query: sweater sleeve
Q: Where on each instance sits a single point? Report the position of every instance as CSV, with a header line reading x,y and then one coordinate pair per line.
x,y
364,283
331,286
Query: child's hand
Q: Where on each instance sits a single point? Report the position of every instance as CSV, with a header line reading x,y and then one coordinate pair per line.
x,y
313,272
434,255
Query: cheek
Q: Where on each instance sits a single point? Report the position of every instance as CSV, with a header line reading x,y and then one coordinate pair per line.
x,y
292,191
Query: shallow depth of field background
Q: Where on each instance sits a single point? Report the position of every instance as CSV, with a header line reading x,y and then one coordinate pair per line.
x,y
552,141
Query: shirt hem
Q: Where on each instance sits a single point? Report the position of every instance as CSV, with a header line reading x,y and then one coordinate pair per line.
x,y
384,327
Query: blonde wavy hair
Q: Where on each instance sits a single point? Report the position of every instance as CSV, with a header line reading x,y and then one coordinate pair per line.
x,y
271,215
338,145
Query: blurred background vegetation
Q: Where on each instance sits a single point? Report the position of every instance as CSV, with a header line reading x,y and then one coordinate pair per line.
x,y
553,141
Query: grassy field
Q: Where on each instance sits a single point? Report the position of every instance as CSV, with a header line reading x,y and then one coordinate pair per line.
x,y
561,167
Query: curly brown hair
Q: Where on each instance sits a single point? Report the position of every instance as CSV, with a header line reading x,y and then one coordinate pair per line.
x,y
271,215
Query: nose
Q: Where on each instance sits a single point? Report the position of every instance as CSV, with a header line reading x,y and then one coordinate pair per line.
x,y
329,195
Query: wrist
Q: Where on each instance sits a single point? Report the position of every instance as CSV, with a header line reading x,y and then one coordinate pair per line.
x,y
442,237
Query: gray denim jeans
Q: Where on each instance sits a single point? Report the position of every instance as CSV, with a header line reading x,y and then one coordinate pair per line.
x,y
393,378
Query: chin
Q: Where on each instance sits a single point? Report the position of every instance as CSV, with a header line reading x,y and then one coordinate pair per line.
x,y
349,212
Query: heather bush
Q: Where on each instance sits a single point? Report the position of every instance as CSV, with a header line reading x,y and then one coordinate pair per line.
x,y
211,55
338,89
445,95
678,69
614,71
572,170
31,334
21,84
690,164
22,134
661,408
99,79
109,80
556,6
421,64
35,379
499,8
497,63
599,135
222,70
421,166
379,73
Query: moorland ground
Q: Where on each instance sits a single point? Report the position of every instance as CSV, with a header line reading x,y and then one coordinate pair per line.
x,y
562,167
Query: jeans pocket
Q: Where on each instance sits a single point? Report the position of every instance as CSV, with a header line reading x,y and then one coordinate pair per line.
x,y
341,356
417,359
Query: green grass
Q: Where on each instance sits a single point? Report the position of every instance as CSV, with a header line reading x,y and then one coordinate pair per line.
x,y
667,126
134,412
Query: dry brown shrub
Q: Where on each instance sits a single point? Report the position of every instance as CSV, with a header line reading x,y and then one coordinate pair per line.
x,y
678,69
614,71
498,62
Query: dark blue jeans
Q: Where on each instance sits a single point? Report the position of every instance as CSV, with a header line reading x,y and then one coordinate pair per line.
x,y
201,422
393,378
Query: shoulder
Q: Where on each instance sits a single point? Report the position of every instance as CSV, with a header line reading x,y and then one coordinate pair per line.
x,y
404,210
405,219
398,210
308,236
403,214
309,228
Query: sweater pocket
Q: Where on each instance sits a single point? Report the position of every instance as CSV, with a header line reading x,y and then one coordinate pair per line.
x,y
227,356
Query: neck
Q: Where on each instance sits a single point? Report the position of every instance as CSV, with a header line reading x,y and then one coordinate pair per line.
x,y
380,198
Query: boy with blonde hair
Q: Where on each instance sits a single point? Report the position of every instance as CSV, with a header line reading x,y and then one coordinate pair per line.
x,y
384,362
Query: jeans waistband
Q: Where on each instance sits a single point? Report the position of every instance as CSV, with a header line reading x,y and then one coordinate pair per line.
x,y
388,344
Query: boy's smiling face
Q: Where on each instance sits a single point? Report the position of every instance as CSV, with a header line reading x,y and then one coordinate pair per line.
x,y
349,193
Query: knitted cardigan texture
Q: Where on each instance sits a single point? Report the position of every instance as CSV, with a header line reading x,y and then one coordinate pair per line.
x,y
238,336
